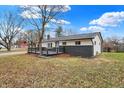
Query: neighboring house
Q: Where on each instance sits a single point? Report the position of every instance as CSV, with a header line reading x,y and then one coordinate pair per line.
x,y
110,47
21,44
120,47
85,45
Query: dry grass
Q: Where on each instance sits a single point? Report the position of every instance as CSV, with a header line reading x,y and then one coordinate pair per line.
x,y
62,71
3,50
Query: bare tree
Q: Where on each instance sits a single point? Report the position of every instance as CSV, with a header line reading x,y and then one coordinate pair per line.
x,y
22,36
59,31
44,14
69,32
112,43
10,26
32,37
115,41
123,40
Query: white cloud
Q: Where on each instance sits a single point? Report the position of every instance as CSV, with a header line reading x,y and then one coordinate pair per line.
x,y
33,11
61,8
66,8
96,29
28,7
48,25
29,14
62,22
93,29
110,19
53,20
84,29
30,11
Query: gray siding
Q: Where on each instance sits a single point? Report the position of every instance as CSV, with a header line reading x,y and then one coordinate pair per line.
x,y
83,51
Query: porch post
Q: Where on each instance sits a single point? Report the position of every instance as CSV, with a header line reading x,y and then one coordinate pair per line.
x,y
31,47
41,50
57,50
57,46
47,51
35,48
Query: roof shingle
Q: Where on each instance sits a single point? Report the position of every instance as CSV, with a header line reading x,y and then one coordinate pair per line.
x,y
72,37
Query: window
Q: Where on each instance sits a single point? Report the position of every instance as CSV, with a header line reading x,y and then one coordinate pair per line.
x,y
24,42
63,43
49,45
77,42
94,42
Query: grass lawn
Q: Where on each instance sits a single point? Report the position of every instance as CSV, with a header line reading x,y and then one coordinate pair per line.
x,y
4,50
106,70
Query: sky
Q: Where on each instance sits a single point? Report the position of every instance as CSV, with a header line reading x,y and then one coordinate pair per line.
x,y
107,19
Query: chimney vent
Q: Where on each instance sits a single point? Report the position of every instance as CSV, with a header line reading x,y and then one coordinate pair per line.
x,y
48,37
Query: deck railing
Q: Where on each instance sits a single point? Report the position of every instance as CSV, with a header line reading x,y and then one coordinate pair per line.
x,y
46,51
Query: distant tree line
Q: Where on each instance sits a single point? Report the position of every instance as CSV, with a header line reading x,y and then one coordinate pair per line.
x,y
113,43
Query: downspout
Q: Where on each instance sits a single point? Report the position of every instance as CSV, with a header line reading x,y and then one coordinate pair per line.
x,y
101,46
92,45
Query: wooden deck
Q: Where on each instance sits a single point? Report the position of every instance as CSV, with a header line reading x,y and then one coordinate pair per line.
x,y
50,53
46,53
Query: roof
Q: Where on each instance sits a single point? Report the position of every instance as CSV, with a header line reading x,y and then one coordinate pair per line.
x,y
73,37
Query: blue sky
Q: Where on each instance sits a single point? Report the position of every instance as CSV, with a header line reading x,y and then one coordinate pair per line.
x,y
81,16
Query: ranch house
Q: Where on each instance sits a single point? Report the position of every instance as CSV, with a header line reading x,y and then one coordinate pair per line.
x,y
84,45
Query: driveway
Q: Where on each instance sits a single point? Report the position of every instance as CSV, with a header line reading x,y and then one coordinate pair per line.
x,y
12,53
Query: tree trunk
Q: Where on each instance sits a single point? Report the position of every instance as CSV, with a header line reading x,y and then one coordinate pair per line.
x,y
40,48
8,48
35,48
41,39
28,47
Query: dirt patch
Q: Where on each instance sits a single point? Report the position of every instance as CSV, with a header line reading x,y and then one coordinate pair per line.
x,y
63,55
